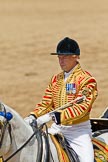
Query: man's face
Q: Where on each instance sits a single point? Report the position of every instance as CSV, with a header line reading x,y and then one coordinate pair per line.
x,y
67,62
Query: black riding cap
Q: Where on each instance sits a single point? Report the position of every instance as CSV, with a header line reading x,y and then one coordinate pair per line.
x,y
67,46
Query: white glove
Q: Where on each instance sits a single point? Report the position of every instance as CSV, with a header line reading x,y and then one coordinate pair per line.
x,y
29,119
43,119
54,129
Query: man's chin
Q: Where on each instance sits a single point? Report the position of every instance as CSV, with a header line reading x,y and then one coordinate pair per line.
x,y
63,68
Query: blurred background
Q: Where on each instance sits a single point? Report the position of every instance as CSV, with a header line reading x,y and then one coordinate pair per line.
x,y
30,31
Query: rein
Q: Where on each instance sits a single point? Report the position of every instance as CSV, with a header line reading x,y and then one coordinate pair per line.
x,y
13,154
39,135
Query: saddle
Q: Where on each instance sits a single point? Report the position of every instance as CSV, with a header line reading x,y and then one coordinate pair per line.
x,y
65,152
100,148
68,151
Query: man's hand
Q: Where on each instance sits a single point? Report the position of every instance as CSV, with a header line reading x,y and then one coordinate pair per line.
x,y
29,119
40,120
54,129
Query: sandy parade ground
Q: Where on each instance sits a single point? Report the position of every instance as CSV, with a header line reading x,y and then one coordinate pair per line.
x,y
30,31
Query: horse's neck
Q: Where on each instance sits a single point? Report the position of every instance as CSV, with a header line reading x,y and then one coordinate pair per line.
x,y
21,132
12,149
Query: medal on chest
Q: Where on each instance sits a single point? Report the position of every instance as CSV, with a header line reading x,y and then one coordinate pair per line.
x,y
70,88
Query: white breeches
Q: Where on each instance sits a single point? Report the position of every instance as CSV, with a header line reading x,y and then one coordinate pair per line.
x,y
79,138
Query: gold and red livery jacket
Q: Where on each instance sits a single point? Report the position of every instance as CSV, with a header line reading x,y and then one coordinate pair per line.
x,y
56,96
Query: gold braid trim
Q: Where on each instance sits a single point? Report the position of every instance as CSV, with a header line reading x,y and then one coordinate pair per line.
x,y
56,96
101,153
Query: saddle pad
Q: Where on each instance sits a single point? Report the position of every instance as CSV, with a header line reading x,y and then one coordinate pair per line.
x,y
61,153
100,150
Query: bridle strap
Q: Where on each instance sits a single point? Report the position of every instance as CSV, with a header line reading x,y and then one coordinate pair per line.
x,y
4,128
9,130
3,133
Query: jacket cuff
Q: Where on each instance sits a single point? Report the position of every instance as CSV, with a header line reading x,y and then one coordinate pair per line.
x,y
33,116
56,117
